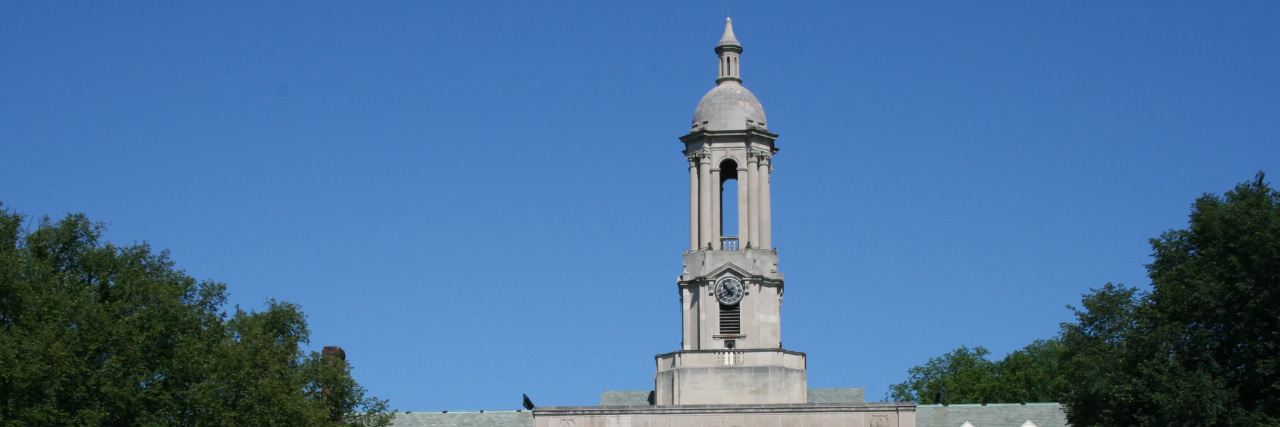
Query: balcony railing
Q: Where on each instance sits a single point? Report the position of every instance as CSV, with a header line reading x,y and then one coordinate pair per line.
x,y
729,358
728,243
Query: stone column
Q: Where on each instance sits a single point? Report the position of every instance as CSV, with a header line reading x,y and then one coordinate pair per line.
x,y
715,207
704,200
693,202
753,204
743,198
766,230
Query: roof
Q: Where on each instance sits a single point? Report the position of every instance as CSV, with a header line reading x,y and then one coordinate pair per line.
x,y
728,39
464,419
991,415
728,106
836,395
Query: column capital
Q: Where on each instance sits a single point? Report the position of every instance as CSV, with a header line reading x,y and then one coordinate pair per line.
x,y
695,156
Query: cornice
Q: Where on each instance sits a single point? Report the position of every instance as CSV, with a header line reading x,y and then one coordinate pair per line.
x,y
700,134
782,408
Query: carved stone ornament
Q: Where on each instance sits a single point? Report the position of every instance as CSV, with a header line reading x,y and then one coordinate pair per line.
x,y
696,156
762,155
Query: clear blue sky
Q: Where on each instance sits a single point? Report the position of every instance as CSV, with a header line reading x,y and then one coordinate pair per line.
x,y
478,200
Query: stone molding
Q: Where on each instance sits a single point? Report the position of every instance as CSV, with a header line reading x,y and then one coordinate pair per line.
x,y
742,134
773,409
711,358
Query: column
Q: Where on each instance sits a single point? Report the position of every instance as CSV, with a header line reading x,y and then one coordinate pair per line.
x,y
704,200
715,207
743,198
766,231
753,204
693,203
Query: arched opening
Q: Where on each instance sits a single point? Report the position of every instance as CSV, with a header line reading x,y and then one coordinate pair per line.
x,y
728,205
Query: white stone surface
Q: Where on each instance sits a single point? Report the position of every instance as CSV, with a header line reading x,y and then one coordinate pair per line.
x,y
730,354
706,377
728,106
760,307
799,415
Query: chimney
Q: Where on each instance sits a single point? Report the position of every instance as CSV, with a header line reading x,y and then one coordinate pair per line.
x,y
330,352
333,350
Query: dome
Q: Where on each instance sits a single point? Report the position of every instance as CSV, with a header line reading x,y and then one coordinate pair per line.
x,y
728,107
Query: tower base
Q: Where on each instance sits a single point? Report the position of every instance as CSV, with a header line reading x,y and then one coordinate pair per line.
x,y
736,377
902,414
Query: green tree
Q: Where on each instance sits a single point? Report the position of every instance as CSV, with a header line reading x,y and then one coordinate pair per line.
x,y
1094,356
1032,374
1203,348
97,334
965,375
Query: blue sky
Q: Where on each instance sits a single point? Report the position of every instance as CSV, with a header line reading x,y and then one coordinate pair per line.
x,y
483,199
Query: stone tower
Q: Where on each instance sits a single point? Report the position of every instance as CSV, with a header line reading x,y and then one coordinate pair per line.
x,y
730,289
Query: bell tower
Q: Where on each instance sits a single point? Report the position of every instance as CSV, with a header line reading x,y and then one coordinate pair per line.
x,y
730,287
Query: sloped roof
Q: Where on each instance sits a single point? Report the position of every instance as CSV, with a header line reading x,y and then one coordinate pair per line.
x,y
464,419
991,415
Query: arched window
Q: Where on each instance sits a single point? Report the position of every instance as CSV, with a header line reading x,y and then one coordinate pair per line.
x,y
729,215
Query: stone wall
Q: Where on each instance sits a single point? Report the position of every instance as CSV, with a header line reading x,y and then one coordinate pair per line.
x,y
788,415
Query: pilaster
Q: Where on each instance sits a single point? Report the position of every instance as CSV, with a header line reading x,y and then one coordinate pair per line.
x,y
704,200
766,240
753,199
693,201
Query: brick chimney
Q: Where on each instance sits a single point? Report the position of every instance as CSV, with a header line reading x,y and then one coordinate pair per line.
x,y
333,350
330,352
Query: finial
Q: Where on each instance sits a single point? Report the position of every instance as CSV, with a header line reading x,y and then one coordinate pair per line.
x,y
728,50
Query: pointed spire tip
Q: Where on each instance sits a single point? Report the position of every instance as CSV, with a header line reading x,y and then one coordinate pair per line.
x,y
729,39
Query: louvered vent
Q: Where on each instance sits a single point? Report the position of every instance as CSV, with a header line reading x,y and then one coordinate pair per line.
x,y
730,320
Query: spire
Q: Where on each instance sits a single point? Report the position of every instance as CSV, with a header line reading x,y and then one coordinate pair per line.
x,y
728,50
728,39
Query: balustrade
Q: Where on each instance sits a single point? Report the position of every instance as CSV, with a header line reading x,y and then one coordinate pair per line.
x,y
729,358
728,243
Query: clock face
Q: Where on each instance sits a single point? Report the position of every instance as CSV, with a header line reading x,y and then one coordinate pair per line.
x,y
729,290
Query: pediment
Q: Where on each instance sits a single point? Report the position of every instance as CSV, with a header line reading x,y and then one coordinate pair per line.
x,y
729,268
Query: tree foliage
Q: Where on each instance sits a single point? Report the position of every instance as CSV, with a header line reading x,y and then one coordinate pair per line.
x,y
966,375
97,334
1203,347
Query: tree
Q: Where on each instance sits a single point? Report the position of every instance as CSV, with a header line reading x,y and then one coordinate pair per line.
x,y
1032,374
1203,347
961,376
1217,284
967,376
1094,356
97,334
